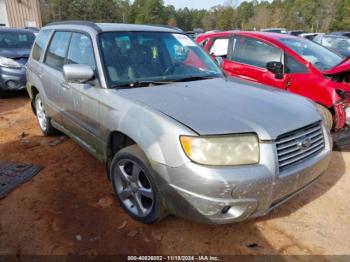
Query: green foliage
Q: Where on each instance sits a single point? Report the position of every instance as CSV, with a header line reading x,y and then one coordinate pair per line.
x,y
308,15
342,19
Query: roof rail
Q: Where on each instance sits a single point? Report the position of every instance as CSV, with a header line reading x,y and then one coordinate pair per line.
x,y
77,22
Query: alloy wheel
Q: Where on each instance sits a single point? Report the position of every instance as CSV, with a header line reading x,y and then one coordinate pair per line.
x,y
133,188
40,113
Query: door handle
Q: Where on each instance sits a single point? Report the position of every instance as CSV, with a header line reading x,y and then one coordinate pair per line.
x,y
66,86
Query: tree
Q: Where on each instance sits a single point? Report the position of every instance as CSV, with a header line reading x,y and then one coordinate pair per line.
x,y
150,12
341,20
315,15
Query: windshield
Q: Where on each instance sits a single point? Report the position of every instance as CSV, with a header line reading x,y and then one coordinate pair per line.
x,y
321,57
134,57
13,39
337,42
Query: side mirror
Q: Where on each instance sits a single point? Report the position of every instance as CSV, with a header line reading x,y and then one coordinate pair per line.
x,y
219,60
275,68
78,73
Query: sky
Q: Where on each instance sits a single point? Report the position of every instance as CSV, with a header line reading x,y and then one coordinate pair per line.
x,y
196,4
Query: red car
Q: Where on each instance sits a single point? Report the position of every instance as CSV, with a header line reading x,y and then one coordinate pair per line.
x,y
287,62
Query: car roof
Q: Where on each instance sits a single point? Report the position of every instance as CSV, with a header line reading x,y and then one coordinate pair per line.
x,y
335,36
15,30
340,32
107,27
255,34
273,38
273,28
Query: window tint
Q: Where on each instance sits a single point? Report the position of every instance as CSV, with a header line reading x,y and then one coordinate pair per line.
x,y
57,50
81,51
293,66
40,44
254,52
219,47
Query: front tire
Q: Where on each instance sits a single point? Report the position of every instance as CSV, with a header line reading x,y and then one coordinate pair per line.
x,y
134,185
326,116
44,121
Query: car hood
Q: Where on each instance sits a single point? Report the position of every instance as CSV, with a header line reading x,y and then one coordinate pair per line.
x,y
227,106
343,67
15,52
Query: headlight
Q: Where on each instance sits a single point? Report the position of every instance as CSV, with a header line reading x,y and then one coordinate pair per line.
x,y
224,150
8,62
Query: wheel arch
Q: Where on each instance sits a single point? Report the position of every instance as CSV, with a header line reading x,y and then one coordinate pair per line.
x,y
33,91
117,140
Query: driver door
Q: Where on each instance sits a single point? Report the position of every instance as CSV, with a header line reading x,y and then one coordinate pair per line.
x,y
82,108
247,59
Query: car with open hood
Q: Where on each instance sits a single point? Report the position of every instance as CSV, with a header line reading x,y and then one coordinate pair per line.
x,y
289,63
15,46
175,134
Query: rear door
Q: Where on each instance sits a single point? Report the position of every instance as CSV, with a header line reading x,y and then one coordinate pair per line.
x,y
52,75
247,59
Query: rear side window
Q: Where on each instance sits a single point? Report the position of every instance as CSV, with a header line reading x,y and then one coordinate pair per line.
x,y
219,47
254,52
293,66
57,50
81,51
40,44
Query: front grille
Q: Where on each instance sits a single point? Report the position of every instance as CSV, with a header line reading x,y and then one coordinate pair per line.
x,y
299,145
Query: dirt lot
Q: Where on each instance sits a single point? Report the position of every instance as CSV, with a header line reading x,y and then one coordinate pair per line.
x,y
69,208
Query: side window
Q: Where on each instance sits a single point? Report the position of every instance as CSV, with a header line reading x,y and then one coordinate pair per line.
x,y
40,44
254,52
293,66
219,47
57,50
81,51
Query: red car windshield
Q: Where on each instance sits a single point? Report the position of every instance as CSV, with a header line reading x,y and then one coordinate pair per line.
x,y
319,56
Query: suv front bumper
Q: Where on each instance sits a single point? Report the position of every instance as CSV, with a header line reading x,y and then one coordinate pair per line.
x,y
12,79
219,195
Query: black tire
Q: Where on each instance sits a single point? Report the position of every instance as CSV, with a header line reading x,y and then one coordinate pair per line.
x,y
47,129
326,116
134,154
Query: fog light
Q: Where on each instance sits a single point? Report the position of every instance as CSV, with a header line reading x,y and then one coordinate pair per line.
x,y
225,209
11,84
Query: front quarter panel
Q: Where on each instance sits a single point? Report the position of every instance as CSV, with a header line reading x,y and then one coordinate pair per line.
x,y
156,133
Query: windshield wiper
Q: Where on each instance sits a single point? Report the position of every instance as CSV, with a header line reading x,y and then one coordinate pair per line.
x,y
139,84
150,83
194,78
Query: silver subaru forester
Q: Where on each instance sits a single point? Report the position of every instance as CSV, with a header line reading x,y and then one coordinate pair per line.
x,y
176,135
